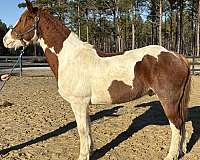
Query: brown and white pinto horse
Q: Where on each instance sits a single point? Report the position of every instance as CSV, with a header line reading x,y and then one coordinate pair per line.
x,y
86,78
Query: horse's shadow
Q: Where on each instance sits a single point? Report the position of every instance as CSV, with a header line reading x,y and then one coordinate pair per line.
x,y
194,117
105,113
153,116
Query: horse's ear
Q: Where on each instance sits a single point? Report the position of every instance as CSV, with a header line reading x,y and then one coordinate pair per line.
x,y
29,6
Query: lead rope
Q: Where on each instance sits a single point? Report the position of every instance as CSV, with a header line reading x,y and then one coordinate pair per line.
x,y
18,60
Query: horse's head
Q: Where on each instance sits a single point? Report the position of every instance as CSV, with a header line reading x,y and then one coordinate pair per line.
x,y
25,30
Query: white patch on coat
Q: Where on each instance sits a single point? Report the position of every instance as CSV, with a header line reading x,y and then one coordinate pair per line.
x,y
44,46
175,143
10,42
52,50
83,73
75,60
35,37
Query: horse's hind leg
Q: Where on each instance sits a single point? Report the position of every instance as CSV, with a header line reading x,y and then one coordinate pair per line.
x,y
178,142
176,115
175,107
80,109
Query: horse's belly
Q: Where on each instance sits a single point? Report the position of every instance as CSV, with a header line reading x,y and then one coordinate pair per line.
x,y
117,92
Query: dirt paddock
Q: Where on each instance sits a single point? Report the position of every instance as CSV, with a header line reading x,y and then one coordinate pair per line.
x,y
40,124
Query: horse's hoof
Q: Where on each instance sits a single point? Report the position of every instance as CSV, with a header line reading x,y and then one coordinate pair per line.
x,y
170,157
5,104
84,157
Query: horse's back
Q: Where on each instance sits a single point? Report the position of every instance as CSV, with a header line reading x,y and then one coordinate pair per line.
x,y
115,79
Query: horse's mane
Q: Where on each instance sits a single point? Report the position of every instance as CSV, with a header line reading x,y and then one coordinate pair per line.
x,y
54,22
55,31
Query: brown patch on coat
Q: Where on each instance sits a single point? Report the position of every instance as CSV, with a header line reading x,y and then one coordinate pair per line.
x,y
25,23
168,77
173,76
52,60
120,92
53,31
106,54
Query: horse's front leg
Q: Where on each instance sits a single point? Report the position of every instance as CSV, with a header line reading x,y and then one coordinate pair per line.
x,y
80,109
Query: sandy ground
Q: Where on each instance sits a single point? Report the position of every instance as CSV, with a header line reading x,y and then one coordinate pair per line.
x,y
40,124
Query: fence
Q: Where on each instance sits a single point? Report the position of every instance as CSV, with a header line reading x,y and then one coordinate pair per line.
x,y
194,62
7,62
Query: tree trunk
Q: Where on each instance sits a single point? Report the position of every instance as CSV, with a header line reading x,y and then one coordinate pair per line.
x,y
181,27
125,45
87,27
177,44
133,25
160,24
192,24
118,27
171,28
133,35
198,26
115,30
79,25
152,33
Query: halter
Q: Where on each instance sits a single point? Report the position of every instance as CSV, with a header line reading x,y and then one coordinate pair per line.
x,y
20,37
33,28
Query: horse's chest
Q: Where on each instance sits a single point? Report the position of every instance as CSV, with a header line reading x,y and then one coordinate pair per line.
x,y
73,83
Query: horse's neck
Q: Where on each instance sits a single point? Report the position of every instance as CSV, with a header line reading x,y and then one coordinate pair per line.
x,y
55,36
60,45
53,33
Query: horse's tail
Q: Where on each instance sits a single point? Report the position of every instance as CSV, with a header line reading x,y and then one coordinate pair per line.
x,y
185,95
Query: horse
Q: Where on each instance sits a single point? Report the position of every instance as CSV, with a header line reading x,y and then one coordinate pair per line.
x,y
85,76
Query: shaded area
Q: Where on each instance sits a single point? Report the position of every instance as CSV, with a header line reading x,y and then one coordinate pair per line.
x,y
61,130
194,117
153,116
